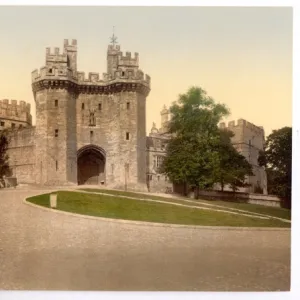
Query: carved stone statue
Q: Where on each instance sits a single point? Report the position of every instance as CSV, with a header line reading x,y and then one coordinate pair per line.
x,y
154,129
92,118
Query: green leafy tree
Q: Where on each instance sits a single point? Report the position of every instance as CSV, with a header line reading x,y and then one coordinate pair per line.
x,y
190,158
277,158
4,167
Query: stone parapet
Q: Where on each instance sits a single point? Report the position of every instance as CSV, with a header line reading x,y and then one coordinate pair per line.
x,y
14,110
241,123
60,71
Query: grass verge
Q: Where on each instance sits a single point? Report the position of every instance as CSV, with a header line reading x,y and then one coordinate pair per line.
x,y
251,208
130,209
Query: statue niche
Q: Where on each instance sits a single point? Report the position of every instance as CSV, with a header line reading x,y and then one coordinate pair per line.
x,y
92,121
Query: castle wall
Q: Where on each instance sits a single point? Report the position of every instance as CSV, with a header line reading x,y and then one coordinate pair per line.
x,y
248,140
21,154
14,114
117,114
108,113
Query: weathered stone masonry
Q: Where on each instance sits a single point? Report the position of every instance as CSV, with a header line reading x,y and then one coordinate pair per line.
x,y
74,112
92,130
89,130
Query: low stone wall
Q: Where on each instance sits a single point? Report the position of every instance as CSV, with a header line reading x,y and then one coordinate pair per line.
x,y
218,195
159,184
267,200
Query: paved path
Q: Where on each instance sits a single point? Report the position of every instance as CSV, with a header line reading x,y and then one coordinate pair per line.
x,y
45,250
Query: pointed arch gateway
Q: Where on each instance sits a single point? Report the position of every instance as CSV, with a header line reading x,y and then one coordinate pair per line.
x,y
91,161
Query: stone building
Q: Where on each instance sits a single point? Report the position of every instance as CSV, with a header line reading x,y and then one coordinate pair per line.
x,y
89,130
92,130
248,139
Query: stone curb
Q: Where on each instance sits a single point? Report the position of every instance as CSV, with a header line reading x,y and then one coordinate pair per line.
x,y
152,224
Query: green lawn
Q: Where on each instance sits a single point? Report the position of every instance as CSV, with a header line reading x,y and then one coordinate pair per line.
x,y
130,209
267,210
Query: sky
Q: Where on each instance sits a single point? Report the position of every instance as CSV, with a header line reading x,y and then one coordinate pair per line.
x,y
241,56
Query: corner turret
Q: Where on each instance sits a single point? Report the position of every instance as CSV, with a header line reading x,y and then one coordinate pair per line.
x,y
164,119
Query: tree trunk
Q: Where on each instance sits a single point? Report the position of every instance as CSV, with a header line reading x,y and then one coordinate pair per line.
x,y
222,186
196,192
185,189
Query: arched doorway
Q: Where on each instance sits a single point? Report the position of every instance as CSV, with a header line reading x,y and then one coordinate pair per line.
x,y
91,165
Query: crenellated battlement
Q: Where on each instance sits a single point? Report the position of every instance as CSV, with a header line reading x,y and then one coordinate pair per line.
x,y
21,106
113,48
54,52
52,72
13,111
95,78
241,123
127,60
60,71
62,53
73,43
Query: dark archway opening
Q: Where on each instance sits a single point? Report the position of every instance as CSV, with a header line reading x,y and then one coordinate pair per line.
x,y
91,165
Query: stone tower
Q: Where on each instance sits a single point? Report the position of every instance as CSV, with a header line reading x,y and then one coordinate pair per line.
x,y
55,93
91,130
125,122
164,119
248,140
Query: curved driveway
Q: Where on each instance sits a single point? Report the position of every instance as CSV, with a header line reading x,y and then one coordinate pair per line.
x,y
46,250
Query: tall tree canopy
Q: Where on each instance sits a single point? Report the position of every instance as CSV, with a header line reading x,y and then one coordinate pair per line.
x,y
193,154
4,167
277,158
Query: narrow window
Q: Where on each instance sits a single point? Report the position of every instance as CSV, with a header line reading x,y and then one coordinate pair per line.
x,y
56,103
50,70
92,134
56,165
20,126
100,106
128,105
82,105
127,136
56,132
158,178
13,125
2,123
123,73
112,169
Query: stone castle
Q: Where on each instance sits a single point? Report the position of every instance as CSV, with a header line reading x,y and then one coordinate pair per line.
x,y
248,139
93,130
